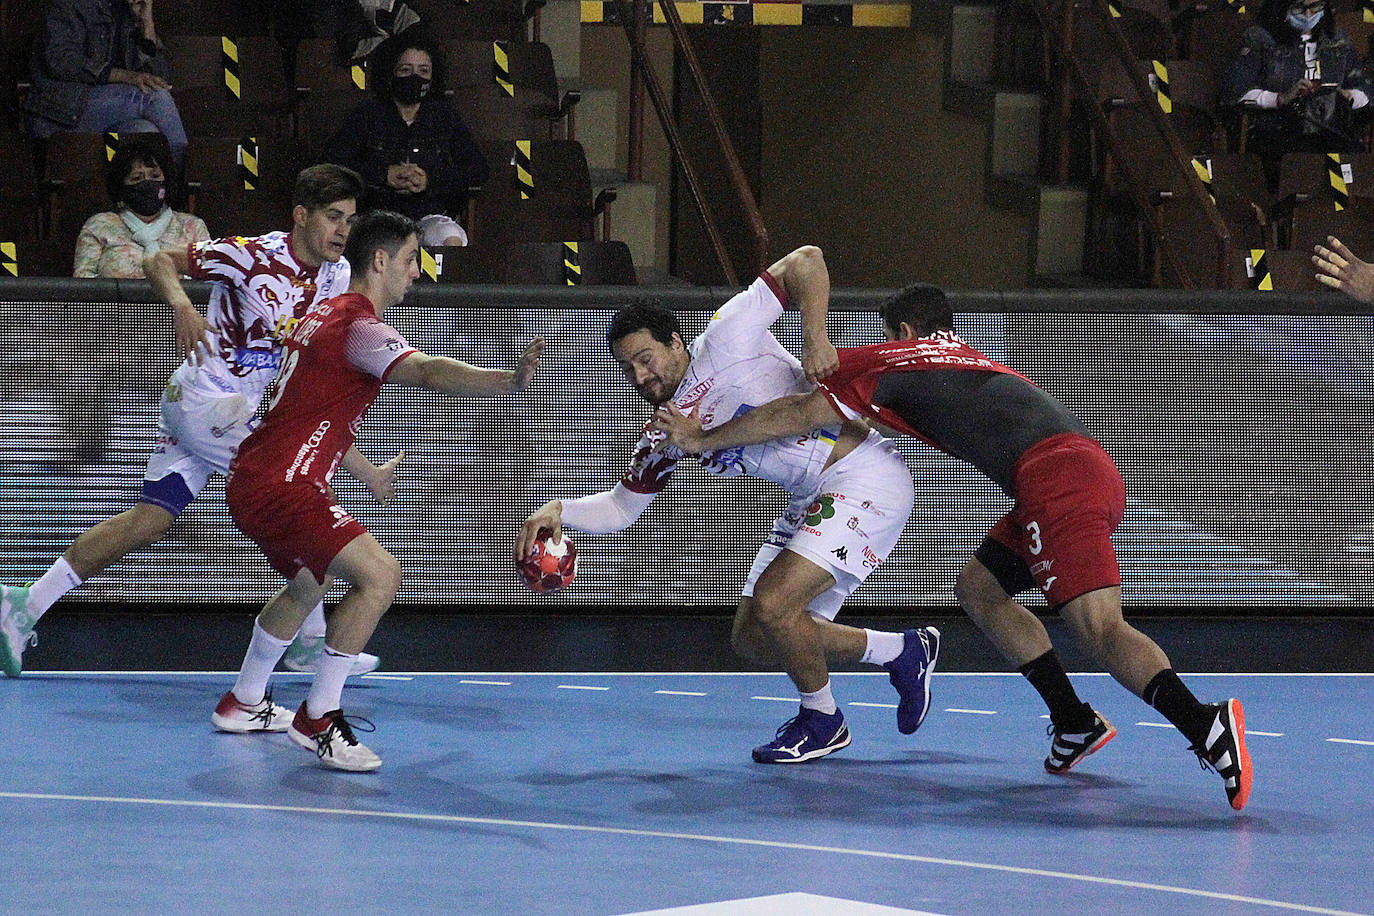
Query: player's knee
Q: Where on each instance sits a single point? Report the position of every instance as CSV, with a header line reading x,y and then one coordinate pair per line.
x,y
746,639
976,591
772,605
384,576
1093,629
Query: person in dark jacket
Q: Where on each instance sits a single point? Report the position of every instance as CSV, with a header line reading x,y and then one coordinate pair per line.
x,y
100,67
1301,80
409,144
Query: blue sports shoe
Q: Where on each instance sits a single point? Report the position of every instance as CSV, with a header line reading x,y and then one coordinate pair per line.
x,y
910,673
807,735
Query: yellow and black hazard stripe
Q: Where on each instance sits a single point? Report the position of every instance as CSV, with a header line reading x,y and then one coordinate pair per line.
x,y
429,267
1367,10
1203,167
1114,8
1336,176
500,66
524,169
229,57
879,15
248,162
9,259
111,145
1162,86
1257,268
359,73
572,266
1236,6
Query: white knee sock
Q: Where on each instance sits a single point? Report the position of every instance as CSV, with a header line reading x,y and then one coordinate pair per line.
x,y
821,699
883,647
326,692
314,625
264,651
51,586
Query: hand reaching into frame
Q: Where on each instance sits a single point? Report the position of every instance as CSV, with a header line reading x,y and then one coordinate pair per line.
x,y
1341,270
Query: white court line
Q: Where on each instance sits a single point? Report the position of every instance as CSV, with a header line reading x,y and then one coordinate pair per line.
x,y
386,677
1160,725
672,835
777,699
1249,732
874,705
681,693
580,687
975,712
488,683
1350,741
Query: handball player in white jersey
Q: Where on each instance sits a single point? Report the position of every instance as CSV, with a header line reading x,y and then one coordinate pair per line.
x,y
260,287
851,496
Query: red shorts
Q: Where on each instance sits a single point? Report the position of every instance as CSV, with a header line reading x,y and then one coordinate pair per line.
x,y
1069,499
297,526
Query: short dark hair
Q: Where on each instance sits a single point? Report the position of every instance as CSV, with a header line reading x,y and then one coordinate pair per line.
x,y
383,62
376,229
320,185
920,305
129,152
644,315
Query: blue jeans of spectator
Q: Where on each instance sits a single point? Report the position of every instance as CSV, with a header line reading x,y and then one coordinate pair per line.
x,y
119,107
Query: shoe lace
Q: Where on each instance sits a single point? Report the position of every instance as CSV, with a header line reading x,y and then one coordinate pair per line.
x,y
267,712
782,729
339,724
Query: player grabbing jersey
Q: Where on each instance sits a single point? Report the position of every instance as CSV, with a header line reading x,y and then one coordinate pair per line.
x,y
260,288
336,360
1069,498
851,496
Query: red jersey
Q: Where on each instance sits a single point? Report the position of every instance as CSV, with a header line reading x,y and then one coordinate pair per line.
x,y
336,360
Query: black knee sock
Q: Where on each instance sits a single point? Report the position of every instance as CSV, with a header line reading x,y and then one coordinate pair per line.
x,y
1047,676
1175,702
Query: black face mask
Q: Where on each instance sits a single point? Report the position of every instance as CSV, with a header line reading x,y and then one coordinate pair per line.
x,y
409,90
145,197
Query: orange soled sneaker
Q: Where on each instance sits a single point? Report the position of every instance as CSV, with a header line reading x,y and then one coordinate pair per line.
x,y
331,739
1224,751
1067,749
232,716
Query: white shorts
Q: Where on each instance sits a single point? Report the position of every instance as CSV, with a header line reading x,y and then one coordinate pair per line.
x,y
198,434
849,526
436,229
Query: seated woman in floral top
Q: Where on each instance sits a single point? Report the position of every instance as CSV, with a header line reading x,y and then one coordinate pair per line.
x,y
114,244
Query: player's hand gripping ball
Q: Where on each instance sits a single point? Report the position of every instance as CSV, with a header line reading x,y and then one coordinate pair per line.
x,y
550,566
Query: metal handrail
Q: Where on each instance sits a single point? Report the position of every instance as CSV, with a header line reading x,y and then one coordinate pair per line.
x,y
632,18
1178,158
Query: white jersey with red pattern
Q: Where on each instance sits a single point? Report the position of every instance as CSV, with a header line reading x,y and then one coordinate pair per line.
x,y
736,365
336,359
259,291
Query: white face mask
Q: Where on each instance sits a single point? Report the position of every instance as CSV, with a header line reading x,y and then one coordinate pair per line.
x,y
1304,23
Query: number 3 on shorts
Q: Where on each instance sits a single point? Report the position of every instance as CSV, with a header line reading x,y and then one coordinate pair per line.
x,y
1035,544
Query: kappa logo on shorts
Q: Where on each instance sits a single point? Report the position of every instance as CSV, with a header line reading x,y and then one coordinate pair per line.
x,y
842,552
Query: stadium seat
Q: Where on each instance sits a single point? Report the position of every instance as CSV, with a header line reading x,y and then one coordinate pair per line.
x,y
481,19
1213,32
318,67
570,264
35,257
201,72
1241,195
556,207
1314,220
20,203
216,176
236,18
463,264
1283,270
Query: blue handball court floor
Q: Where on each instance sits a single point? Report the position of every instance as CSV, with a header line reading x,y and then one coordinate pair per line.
x,y
632,792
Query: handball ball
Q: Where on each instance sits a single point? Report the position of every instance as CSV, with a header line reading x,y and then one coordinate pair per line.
x,y
549,566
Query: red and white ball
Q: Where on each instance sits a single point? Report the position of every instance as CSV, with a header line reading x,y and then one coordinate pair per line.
x,y
550,566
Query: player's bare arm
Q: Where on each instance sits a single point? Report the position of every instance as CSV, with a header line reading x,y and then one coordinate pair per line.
x,y
795,415
455,377
550,516
1342,270
806,279
164,270
380,480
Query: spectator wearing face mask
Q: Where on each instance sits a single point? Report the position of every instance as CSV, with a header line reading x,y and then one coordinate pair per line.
x,y
114,244
1301,80
409,144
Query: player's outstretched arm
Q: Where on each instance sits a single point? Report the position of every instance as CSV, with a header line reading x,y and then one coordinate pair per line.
x,y
1342,270
455,377
806,279
164,270
550,516
795,415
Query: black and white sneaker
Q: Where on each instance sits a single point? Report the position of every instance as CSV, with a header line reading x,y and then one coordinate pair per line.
x,y
331,739
1067,749
1224,751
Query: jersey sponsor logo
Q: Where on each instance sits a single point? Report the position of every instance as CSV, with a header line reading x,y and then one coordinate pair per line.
x,y
341,516
305,455
821,508
1041,567
248,358
871,559
853,525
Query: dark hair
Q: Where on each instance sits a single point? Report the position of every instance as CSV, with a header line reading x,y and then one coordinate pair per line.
x,y
376,229
321,185
920,305
382,63
644,315
129,152
1273,18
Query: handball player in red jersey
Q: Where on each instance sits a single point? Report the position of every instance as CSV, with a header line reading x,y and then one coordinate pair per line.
x,y
1069,498
336,360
